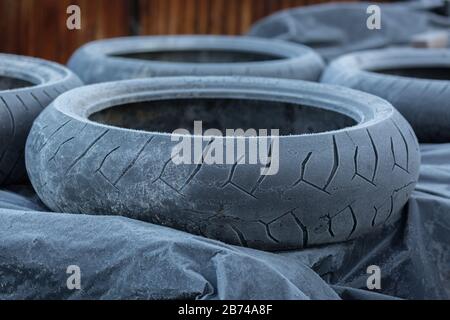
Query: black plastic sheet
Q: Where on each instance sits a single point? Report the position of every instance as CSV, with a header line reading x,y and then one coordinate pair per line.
x,y
127,259
334,29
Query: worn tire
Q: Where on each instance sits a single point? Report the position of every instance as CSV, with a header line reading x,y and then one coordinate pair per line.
x,y
331,186
103,60
27,86
425,103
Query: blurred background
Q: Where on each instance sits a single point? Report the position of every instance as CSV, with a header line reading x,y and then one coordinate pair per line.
x,y
37,27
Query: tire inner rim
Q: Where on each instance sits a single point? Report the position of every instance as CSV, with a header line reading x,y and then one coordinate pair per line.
x,y
9,83
433,73
222,113
201,56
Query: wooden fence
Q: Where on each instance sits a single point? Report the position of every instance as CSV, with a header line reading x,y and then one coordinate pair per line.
x,y
38,27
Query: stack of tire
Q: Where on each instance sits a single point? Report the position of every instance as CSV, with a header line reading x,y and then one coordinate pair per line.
x,y
415,81
163,56
348,160
27,86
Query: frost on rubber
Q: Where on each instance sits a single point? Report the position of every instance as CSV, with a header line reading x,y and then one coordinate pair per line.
x,y
331,186
27,86
415,81
159,56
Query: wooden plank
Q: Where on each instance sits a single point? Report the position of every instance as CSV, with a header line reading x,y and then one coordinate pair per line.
x,y
246,15
8,22
231,15
202,18
38,27
188,23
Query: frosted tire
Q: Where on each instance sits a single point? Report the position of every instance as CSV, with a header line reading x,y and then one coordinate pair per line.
x,y
158,56
415,81
27,86
348,161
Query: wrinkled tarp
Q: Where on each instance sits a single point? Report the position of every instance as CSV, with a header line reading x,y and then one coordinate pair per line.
x,y
124,258
334,29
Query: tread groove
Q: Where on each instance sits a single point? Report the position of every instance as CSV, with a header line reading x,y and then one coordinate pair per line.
x,y
22,103
375,151
91,145
262,177
302,175
269,234
235,185
405,143
11,117
374,216
335,164
133,162
106,157
303,228
53,134
48,95
171,187
355,222
59,148
238,187
240,235
396,164
162,170
233,169
198,167
37,100
356,173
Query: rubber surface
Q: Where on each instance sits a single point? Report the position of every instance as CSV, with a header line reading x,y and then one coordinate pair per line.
x,y
103,60
425,103
331,186
27,86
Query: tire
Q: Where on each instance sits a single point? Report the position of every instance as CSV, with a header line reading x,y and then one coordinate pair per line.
x,y
331,186
159,56
27,86
404,78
